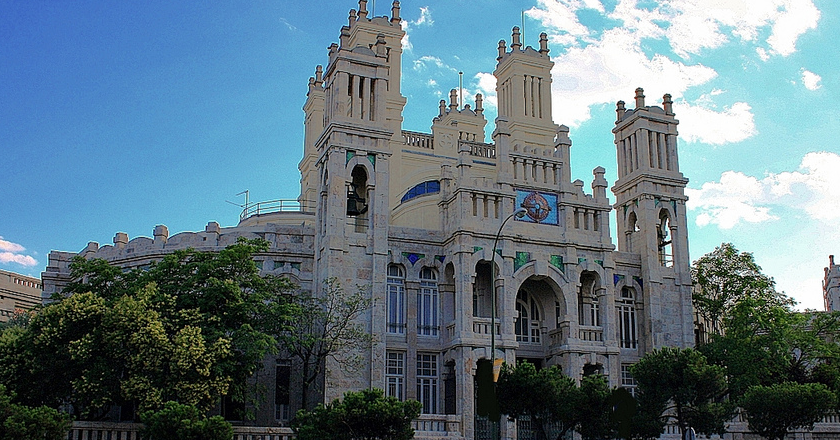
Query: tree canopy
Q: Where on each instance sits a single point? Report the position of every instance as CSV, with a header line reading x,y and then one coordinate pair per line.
x,y
772,411
682,386
189,328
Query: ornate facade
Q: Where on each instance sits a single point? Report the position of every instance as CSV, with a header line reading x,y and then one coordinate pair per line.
x,y
417,217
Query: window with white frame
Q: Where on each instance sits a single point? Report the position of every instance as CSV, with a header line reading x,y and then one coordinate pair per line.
x,y
627,380
427,303
527,324
396,299
395,374
627,319
427,382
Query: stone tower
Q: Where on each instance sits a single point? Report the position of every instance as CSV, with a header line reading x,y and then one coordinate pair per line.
x,y
831,286
651,216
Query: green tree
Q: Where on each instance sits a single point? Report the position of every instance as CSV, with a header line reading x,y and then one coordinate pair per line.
x,y
19,422
548,398
363,415
190,328
724,277
772,411
679,384
325,327
596,420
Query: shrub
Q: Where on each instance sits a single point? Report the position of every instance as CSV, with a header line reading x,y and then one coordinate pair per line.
x,y
183,422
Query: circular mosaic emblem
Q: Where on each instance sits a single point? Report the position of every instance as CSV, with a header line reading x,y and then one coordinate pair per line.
x,y
537,207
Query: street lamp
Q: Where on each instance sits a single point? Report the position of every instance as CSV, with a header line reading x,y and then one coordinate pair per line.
x,y
519,213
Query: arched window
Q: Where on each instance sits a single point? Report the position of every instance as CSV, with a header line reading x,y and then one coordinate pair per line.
x,y
396,299
663,233
588,307
481,290
427,303
627,318
428,187
527,325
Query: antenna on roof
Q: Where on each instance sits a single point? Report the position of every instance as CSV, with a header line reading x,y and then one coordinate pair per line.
x,y
247,199
523,25
461,89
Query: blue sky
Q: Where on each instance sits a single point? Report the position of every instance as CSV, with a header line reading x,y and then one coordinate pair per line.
x,y
116,117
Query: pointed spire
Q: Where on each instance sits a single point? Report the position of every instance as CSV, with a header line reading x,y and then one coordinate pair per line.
x,y
515,43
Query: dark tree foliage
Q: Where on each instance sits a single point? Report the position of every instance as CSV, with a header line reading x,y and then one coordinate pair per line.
x,y
19,422
596,418
363,415
679,384
547,397
772,411
175,421
189,328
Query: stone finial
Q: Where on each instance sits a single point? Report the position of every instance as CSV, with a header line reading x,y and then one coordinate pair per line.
x,y
831,260
333,48
352,17
311,82
619,110
561,136
640,98
442,107
544,43
667,104
363,12
120,240
502,49
578,184
515,43
381,50
319,74
161,234
479,104
599,183
395,12
453,99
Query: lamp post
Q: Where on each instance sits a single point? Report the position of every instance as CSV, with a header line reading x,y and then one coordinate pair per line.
x,y
519,213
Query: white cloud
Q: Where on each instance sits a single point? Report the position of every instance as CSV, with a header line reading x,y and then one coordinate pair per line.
x,y
597,69
425,18
813,189
610,69
12,253
730,201
811,80
700,123
487,87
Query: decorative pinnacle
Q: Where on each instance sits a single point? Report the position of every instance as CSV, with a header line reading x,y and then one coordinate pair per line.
x,y
395,12
502,49
640,98
515,42
667,104
453,99
544,43
363,12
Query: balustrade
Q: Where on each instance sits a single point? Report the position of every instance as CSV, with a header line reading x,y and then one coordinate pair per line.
x,y
481,326
420,140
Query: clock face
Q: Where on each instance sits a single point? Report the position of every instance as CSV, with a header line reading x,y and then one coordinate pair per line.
x,y
540,207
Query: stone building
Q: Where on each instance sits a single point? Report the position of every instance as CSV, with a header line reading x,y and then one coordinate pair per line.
x,y
831,286
417,216
17,292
